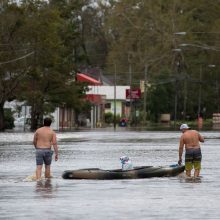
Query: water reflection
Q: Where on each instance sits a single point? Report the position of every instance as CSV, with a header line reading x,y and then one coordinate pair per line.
x,y
45,188
185,179
193,180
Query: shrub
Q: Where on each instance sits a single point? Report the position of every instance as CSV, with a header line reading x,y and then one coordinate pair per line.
x,y
109,117
9,119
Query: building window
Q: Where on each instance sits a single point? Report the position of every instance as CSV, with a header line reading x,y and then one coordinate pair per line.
x,y
107,105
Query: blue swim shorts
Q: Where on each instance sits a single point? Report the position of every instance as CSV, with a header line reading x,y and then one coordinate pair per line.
x,y
43,156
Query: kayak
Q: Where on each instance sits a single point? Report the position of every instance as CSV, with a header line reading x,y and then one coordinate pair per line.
x,y
135,173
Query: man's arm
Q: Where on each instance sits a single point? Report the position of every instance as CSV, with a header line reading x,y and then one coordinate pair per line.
x,y
35,140
201,138
54,142
181,145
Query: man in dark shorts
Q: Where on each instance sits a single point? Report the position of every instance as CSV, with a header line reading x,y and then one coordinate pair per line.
x,y
193,156
44,138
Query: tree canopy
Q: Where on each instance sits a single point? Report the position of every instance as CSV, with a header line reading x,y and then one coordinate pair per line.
x,y
44,43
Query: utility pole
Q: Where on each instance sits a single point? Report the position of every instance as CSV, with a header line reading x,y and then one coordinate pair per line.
x,y
131,107
175,106
115,98
130,79
176,94
185,97
200,91
25,113
145,94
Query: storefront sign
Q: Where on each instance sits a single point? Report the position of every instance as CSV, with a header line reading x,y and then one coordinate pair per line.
x,y
135,94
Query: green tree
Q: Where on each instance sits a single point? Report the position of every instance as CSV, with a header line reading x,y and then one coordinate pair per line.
x,y
161,96
50,81
14,53
140,32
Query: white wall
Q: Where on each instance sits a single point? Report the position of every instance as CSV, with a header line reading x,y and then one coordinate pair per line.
x,y
55,123
109,91
118,107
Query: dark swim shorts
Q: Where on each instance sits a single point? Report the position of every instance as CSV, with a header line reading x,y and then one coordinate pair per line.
x,y
43,156
193,158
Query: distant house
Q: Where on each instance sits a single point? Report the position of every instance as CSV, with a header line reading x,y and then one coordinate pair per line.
x,y
97,102
102,99
105,97
63,118
112,94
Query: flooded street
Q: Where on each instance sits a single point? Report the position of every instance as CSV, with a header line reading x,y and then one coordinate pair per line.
x,y
154,198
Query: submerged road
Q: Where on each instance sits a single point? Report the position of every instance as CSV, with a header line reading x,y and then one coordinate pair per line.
x,y
154,198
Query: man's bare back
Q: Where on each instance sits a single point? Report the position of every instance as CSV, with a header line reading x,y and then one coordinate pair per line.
x,y
44,137
191,139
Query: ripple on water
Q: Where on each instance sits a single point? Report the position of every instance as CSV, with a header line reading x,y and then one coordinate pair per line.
x,y
155,198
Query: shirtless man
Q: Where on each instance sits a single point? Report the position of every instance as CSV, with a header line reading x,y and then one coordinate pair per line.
x,y
193,156
44,138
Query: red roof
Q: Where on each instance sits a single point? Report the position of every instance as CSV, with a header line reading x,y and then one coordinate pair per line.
x,y
84,78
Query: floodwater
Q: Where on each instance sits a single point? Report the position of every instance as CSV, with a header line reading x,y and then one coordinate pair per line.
x,y
154,198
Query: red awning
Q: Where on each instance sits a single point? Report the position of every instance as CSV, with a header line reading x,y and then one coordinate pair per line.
x,y
93,98
84,78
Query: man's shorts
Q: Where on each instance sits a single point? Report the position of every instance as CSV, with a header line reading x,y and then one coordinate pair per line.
x,y
44,156
193,158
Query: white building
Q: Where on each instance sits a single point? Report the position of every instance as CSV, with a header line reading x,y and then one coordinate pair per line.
x,y
112,94
22,113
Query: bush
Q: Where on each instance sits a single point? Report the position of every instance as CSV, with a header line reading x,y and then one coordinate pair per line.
x,y
109,117
9,119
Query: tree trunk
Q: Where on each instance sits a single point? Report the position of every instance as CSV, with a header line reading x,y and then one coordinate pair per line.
x,y
2,124
36,118
33,127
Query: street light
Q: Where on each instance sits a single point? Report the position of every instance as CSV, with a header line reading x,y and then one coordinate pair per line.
x,y
200,90
205,47
177,49
199,46
197,32
179,71
200,86
211,65
180,33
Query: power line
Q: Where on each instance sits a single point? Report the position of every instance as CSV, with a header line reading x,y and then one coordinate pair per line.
x,y
19,58
9,51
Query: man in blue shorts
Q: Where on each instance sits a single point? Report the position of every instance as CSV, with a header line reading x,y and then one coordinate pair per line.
x,y
44,138
193,156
